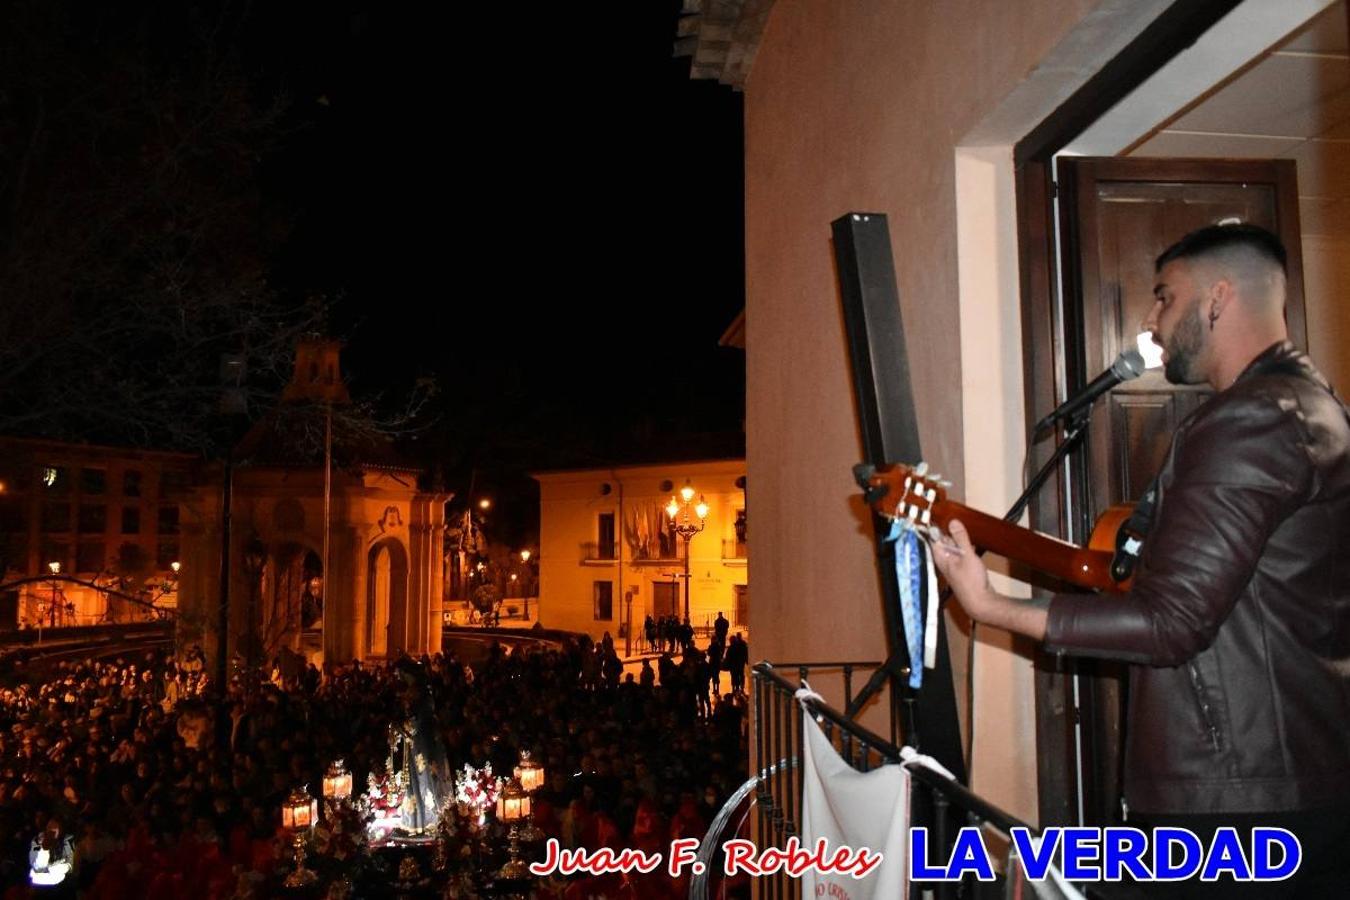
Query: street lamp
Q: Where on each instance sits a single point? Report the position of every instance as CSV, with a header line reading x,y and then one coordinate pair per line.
x,y
686,527
525,563
55,568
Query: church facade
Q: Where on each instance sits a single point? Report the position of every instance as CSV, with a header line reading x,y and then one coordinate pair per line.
x,y
335,552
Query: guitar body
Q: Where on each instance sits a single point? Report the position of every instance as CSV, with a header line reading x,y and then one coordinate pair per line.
x,y
911,493
1108,525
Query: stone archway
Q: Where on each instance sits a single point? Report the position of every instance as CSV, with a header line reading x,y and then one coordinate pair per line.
x,y
386,598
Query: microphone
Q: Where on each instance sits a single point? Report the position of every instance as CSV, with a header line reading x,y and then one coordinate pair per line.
x,y
1128,365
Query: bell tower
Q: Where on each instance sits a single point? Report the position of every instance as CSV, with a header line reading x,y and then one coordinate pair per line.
x,y
318,373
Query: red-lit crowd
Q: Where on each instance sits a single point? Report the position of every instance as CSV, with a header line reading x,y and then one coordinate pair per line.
x,y
155,786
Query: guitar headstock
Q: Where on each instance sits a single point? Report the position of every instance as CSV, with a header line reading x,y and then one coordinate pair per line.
x,y
902,492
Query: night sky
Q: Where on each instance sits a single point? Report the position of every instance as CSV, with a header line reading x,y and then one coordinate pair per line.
x,y
536,206
521,202
532,205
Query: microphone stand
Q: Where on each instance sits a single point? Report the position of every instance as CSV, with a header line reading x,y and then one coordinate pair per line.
x,y
1073,435
1074,431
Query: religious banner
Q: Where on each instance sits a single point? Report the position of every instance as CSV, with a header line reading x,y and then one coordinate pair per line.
x,y
860,810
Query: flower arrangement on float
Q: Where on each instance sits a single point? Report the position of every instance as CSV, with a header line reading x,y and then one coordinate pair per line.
x,y
384,799
476,790
463,824
341,835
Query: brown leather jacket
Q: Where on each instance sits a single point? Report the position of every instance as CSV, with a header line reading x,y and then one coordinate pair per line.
x,y
1239,615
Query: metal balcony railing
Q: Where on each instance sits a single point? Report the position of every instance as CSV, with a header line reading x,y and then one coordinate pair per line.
x,y
774,792
599,552
733,549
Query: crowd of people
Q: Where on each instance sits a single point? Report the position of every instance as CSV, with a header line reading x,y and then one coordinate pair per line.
x,y
157,784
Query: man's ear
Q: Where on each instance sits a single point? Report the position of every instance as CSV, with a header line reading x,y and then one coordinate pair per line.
x,y
1221,294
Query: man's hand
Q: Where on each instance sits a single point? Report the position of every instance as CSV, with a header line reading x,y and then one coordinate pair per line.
x,y
961,566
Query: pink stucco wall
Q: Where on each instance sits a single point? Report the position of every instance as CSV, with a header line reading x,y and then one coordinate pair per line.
x,y
855,106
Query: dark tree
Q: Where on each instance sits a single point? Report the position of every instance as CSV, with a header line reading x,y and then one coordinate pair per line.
x,y
134,240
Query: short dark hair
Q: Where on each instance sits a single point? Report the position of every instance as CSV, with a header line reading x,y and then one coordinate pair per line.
x,y
1214,239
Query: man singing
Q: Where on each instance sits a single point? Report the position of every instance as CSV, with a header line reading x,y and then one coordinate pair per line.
x,y
1238,620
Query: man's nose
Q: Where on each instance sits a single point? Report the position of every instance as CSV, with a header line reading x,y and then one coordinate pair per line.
x,y
1150,323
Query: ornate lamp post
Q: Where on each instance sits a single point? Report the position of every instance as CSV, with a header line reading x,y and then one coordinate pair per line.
x,y
55,569
683,525
513,804
525,582
297,816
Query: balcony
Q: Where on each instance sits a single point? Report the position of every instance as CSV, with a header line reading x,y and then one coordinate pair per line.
x,y
774,793
657,561
597,553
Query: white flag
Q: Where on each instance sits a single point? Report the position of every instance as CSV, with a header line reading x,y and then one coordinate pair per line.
x,y
858,809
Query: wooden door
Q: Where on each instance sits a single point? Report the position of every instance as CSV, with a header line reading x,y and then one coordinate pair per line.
x,y
742,612
1117,215
665,598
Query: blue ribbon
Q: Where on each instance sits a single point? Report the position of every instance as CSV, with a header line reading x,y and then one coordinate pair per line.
x,y
909,575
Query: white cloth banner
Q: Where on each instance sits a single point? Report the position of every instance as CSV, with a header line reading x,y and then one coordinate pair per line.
x,y
858,809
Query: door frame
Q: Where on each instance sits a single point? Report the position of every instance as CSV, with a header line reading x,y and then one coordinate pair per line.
x,y
1044,345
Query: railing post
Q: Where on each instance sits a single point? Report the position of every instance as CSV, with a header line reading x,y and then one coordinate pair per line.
x,y
942,839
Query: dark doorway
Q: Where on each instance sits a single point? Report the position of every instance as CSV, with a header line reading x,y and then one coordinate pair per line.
x,y
665,598
1117,215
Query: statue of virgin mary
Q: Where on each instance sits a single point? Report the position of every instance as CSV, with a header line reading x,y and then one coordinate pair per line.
x,y
418,755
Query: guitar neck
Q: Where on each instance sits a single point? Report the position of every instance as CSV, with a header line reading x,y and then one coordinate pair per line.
x,y
1067,562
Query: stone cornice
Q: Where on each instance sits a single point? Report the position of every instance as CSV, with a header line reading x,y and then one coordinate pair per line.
x,y
721,37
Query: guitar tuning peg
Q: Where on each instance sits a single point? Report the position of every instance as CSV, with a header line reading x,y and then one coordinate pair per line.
x,y
944,483
921,469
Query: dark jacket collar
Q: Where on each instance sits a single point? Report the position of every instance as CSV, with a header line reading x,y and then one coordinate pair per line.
x,y
1282,358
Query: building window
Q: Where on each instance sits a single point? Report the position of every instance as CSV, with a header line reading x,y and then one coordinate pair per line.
x,y
56,479
93,481
93,518
55,517
166,555
131,483
53,551
89,556
605,544
604,601
131,520
168,520
132,559
13,552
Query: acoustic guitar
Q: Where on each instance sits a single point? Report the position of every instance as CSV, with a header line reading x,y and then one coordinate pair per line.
x,y
913,493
